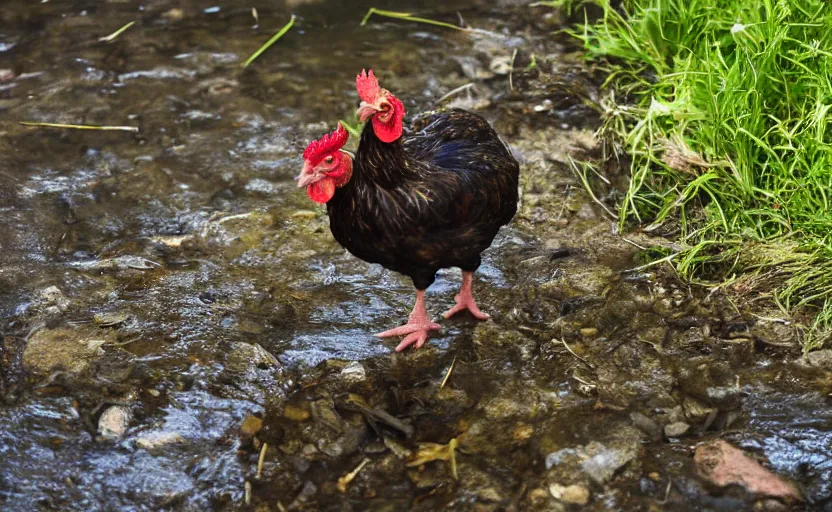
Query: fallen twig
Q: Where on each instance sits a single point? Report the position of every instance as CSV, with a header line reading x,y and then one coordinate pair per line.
x,y
261,459
80,126
448,374
345,480
581,359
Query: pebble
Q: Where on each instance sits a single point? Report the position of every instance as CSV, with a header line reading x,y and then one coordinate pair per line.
x,y
251,425
677,429
245,357
695,410
647,425
573,494
70,350
538,497
295,413
522,432
490,494
114,422
354,372
159,439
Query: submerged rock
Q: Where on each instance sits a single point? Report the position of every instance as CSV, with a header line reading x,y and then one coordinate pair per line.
x,y
676,429
245,358
251,425
159,439
354,372
574,494
818,359
597,460
723,465
114,422
603,461
63,349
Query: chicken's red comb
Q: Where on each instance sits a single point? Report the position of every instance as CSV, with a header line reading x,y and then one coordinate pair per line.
x,y
317,149
367,85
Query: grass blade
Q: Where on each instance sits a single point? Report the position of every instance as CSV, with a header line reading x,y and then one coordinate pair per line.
x,y
111,37
270,42
406,17
81,126
355,131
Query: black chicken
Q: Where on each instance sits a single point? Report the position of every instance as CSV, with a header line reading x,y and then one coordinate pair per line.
x,y
431,198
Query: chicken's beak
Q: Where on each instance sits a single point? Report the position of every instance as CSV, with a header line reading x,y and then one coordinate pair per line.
x,y
308,176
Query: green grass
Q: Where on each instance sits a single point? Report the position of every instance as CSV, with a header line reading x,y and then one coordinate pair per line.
x,y
721,110
280,33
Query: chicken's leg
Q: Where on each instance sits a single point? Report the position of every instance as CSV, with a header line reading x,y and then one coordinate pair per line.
x,y
417,327
465,300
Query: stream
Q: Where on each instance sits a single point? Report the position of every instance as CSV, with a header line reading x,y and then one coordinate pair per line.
x,y
180,331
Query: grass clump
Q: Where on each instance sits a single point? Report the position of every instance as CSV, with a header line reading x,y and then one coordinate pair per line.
x,y
721,109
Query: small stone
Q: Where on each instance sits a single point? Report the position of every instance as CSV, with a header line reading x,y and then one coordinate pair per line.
x,y
245,357
175,14
500,65
647,425
818,359
159,439
604,460
677,429
114,422
574,494
354,372
70,350
722,464
522,432
588,332
695,410
770,505
6,75
490,494
251,425
323,412
538,497
110,319
295,413
723,394
309,450
51,294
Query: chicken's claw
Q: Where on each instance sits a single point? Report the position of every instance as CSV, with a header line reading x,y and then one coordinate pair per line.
x,y
465,300
408,328
463,303
417,327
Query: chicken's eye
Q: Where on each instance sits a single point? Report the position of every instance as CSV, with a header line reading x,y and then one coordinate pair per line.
x,y
328,160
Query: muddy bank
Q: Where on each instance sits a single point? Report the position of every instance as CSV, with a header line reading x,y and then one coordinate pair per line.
x,y
181,332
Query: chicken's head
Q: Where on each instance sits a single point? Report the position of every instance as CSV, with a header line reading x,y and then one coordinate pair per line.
x,y
385,110
326,166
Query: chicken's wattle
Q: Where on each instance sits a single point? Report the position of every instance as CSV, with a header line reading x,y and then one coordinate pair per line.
x,y
321,191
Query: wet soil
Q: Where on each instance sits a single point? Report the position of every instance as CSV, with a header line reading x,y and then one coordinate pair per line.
x,y
181,332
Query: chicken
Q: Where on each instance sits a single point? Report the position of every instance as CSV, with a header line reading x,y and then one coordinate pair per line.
x,y
434,197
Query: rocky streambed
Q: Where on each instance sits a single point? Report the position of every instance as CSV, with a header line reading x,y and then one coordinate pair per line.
x,y
181,332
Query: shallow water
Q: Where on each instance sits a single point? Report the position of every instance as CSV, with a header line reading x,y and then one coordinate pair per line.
x,y
185,246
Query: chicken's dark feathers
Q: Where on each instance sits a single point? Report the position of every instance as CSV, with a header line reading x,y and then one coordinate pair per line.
x,y
433,199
